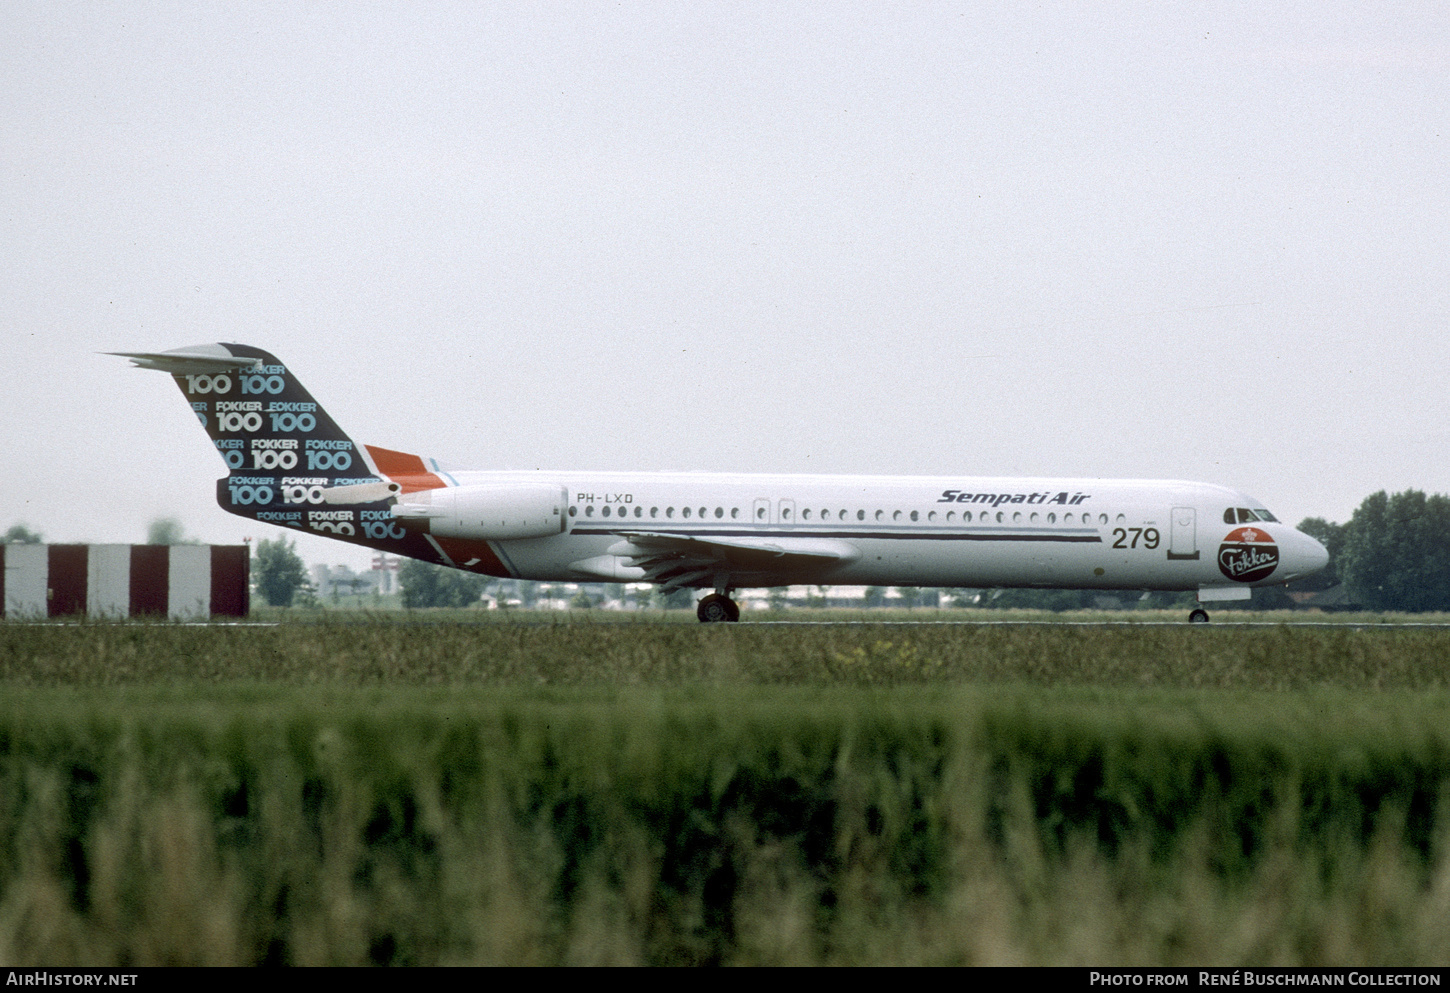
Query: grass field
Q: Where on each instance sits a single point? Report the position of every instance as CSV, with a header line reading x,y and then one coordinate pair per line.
x,y
410,791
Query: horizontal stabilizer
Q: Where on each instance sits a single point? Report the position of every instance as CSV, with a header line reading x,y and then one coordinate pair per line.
x,y
194,361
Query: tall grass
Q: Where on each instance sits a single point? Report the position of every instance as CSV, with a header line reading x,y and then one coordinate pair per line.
x,y
413,794
352,825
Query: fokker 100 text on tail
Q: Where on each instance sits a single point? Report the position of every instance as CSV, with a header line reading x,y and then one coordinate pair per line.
x,y
290,464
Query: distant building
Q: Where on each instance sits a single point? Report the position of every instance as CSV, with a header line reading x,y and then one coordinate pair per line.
x,y
338,581
176,581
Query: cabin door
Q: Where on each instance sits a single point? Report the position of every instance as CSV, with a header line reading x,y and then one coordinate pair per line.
x,y
1183,538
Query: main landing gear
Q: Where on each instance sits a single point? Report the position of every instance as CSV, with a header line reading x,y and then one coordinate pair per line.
x,y
717,607
1199,616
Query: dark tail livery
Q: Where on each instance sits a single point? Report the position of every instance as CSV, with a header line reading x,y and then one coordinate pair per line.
x,y
287,460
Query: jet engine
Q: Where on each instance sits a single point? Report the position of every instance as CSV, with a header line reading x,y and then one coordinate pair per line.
x,y
488,512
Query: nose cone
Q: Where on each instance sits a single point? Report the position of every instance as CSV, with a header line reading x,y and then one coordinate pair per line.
x,y
1306,556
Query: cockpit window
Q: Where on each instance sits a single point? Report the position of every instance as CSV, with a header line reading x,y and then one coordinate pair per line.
x,y
1244,515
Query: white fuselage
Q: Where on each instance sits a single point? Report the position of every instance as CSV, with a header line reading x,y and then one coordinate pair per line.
x,y
916,531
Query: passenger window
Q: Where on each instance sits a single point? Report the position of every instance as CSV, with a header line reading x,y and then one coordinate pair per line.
x,y
896,516
1122,518
760,513
573,511
686,512
931,516
670,512
915,516
735,513
639,511
719,512
589,510
605,511
806,514
785,513
880,514
1051,518
654,512
1001,516
860,515
1102,518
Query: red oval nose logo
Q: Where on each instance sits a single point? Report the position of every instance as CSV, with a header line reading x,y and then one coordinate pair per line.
x,y
1248,555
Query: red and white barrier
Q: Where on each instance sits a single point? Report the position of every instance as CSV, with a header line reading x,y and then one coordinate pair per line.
x,y
177,581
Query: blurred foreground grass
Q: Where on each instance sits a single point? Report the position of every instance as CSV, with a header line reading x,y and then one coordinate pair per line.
x,y
631,793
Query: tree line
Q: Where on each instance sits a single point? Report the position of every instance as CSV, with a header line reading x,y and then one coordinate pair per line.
x,y
1392,554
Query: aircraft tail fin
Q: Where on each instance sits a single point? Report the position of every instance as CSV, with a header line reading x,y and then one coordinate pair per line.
x,y
288,461
257,414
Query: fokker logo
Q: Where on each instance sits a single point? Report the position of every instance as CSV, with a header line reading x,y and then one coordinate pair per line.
x,y
1248,555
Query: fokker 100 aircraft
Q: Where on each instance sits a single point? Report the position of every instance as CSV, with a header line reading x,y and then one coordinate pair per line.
x,y
291,465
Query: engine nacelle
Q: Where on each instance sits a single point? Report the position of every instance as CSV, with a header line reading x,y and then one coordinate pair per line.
x,y
490,512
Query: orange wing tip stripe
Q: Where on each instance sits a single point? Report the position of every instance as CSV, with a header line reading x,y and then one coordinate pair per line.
x,y
406,470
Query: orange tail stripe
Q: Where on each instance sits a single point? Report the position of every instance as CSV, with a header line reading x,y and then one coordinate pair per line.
x,y
404,469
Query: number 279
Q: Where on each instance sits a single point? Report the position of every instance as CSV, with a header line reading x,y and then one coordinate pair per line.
x,y
1149,537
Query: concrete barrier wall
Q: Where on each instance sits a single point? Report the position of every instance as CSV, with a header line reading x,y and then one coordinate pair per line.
x,y
189,586
26,570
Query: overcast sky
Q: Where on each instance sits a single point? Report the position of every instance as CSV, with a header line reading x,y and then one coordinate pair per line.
x,y
1198,241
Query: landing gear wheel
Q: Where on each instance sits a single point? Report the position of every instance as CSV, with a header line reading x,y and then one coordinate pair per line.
x,y
1199,616
715,608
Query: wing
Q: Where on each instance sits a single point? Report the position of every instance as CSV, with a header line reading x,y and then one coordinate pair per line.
x,y
676,561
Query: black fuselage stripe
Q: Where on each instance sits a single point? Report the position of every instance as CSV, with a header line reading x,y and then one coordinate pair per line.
x,y
887,535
